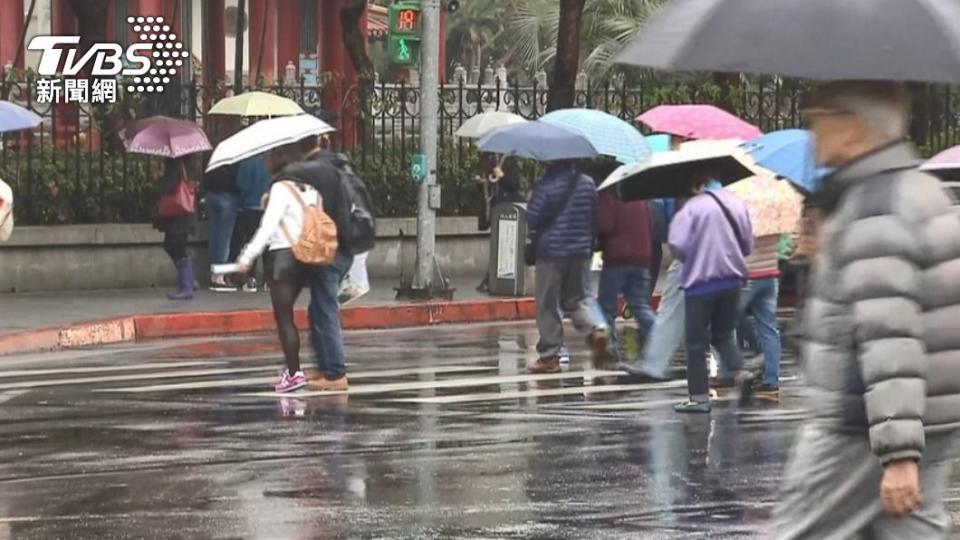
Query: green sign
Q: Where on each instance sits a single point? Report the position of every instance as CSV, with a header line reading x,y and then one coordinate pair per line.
x,y
418,167
403,43
404,51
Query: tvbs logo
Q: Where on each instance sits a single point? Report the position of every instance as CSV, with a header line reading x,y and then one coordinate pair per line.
x,y
147,65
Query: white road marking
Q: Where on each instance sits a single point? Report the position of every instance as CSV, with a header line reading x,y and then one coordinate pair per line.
x,y
267,380
132,377
103,369
446,383
546,392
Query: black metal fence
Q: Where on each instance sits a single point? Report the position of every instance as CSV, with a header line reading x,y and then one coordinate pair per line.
x,y
72,169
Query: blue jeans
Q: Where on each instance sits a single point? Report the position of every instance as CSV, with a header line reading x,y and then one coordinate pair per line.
x,y
221,217
668,329
324,312
759,299
634,283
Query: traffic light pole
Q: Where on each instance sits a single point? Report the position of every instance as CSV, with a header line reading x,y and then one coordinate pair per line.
x,y
429,196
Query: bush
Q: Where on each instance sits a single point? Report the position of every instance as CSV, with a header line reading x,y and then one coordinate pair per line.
x,y
51,189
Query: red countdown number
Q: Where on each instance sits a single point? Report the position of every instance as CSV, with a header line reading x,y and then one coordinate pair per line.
x,y
407,20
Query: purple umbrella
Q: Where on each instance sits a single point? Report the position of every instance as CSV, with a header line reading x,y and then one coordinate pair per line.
x,y
165,137
14,117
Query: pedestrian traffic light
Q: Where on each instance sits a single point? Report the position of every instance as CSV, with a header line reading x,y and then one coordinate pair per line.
x,y
404,39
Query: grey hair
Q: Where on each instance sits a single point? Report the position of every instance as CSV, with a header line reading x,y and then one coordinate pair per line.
x,y
884,107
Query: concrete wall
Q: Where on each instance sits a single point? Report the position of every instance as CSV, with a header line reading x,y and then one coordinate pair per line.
x,y
112,256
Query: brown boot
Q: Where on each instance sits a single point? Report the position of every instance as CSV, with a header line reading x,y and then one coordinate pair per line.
x,y
323,384
550,364
598,340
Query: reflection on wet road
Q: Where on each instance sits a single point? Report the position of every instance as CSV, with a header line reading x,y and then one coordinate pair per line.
x,y
443,435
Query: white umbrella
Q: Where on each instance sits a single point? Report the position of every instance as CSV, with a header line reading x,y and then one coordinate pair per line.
x,y
484,123
266,135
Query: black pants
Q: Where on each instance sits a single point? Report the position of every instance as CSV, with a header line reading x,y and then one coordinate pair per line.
x,y
248,219
711,319
175,244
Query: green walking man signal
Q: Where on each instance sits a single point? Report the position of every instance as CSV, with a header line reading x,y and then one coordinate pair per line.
x,y
404,38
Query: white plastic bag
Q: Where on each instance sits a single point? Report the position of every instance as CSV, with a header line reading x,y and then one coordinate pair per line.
x,y
356,283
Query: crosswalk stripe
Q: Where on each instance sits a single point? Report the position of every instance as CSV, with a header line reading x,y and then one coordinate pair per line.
x,y
545,392
267,380
131,377
446,383
104,369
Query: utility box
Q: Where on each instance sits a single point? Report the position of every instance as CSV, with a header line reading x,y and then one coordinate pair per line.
x,y
507,273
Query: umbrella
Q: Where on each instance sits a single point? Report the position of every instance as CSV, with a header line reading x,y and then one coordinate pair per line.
x,y
484,123
698,122
256,104
945,165
609,134
266,135
905,40
538,140
664,174
14,117
774,206
659,142
789,153
165,137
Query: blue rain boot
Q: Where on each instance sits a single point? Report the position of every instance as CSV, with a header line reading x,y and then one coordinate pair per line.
x,y
184,279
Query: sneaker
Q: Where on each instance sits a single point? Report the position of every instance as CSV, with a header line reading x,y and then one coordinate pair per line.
x,y
598,341
550,364
250,285
289,383
219,283
692,407
767,392
323,384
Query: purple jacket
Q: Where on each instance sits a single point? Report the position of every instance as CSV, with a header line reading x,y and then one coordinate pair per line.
x,y
703,240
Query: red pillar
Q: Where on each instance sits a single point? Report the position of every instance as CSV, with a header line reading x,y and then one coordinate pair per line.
x,y
11,24
268,68
214,45
443,46
331,51
288,36
149,8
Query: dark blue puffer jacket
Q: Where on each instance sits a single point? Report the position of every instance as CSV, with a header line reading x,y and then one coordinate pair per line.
x,y
573,231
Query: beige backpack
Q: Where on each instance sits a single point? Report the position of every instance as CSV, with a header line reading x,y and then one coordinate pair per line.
x,y
317,245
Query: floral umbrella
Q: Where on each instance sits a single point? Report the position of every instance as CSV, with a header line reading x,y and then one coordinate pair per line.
x,y
774,206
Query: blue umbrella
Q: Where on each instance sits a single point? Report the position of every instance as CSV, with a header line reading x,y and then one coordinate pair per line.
x,y
538,140
789,153
609,134
14,117
659,142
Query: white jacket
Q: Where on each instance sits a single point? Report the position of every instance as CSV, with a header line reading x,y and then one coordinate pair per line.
x,y
282,207
6,211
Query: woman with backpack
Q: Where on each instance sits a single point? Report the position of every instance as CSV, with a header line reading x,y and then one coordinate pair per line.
x,y
283,222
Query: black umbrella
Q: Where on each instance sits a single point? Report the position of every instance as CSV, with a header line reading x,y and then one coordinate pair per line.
x,y
669,174
902,40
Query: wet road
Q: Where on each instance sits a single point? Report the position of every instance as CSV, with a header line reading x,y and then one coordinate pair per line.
x,y
442,436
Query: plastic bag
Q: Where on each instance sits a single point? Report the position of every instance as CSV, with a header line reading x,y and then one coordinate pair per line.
x,y
356,283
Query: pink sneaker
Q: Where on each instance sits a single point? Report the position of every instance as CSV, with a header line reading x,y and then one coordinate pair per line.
x,y
289,383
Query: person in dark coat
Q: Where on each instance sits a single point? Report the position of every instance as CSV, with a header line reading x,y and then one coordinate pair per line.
x,y
176,231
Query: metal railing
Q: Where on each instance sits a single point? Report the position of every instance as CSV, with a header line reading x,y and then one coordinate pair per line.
x,y
72,169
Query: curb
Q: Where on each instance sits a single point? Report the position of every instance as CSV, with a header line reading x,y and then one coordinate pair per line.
x,y
173,325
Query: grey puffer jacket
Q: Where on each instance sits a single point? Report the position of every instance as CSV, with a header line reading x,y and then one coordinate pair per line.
x,y
882,322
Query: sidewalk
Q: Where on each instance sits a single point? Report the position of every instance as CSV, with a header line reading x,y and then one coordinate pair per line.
x,y
46,321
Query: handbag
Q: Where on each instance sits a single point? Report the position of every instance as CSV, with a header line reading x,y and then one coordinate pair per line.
x,y
532,245
181,201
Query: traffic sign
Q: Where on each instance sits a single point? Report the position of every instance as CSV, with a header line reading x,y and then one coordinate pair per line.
x,y
418,167
403,45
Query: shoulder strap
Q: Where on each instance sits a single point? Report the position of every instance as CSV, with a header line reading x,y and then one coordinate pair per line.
x,y
296,194
566,203
730,220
